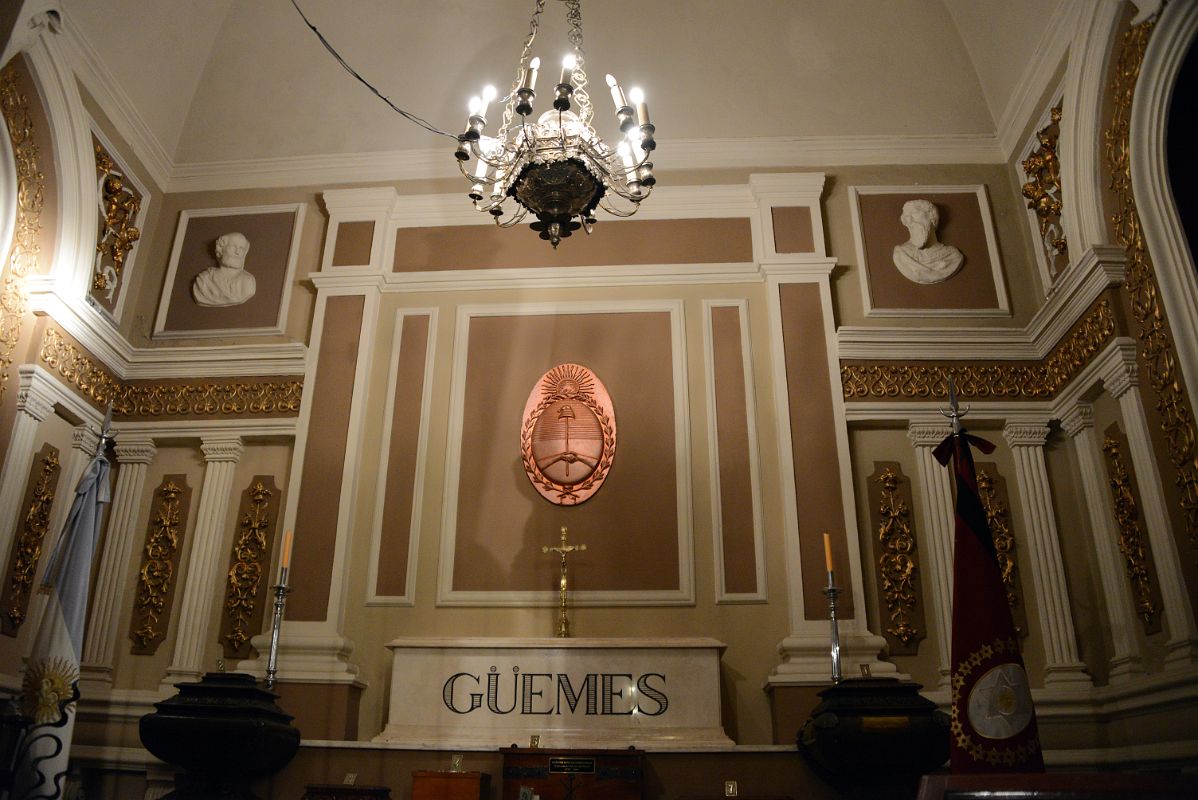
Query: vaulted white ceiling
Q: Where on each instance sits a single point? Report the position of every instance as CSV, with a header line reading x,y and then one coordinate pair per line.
x,y
230,80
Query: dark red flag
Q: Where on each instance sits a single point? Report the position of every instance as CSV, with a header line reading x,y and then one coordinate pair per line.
x,y
993,720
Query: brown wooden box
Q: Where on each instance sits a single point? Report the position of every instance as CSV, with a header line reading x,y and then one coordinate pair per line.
x,y
574,774
450,785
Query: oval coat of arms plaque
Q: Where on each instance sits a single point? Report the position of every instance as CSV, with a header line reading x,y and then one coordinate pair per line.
x,y
568,435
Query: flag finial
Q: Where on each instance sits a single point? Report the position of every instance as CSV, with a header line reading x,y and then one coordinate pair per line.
x,y
105,430
954,412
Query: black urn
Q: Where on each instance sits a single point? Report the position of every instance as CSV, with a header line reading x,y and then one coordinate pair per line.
x,y
871,735
223,732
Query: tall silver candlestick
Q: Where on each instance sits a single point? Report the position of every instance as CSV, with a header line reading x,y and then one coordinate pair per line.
x,y
272,660
831,591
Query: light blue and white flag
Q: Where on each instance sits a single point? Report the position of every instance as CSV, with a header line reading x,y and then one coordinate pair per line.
x,y
51,682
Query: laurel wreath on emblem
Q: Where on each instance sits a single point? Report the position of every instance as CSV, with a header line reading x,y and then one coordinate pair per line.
x,y
568,493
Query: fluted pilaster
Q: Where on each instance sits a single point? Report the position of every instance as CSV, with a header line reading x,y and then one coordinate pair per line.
x,y
134,456
204,562
1122,382
1078,424
1062,666
32,408
936,499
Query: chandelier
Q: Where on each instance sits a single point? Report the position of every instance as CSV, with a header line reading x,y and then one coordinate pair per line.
x,y
555,165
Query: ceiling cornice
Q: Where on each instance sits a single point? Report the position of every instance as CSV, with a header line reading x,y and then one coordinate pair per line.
x,y
679,154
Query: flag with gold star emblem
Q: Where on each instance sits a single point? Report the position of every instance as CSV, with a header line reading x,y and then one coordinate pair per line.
x,y
993,720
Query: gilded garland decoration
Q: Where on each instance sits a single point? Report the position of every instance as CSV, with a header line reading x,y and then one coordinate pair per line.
x,y
1156,341
156,400
158,566
998,517
27,551
1042,168
245,575
118,234
1131,536
23,258
985,381
897,564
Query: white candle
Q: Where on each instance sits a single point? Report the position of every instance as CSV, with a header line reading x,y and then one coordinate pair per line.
x,y
642,110
285,559
568,65
488,95
617,94
530,74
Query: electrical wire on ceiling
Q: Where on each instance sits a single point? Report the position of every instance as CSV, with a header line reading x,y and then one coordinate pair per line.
x,y
428,126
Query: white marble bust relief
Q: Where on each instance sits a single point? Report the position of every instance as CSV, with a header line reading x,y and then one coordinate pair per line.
x,y
227,284
922,258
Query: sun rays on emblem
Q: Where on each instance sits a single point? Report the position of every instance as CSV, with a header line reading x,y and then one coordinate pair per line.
x,y
569,381
46,686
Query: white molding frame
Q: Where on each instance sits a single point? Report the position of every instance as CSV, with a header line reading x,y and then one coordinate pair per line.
x,y
147,198
1174,34
1003,309
1097,270
722,596
685,594
376,532
280,323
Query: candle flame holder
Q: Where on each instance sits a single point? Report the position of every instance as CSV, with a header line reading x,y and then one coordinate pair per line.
x,y
276,625
832,591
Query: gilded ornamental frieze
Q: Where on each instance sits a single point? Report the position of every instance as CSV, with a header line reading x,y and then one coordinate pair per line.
x,y
151,399
248,563
120,202
1156,349
994,380
1042,190
1132,544
896,555
22,258
31,538
992,491
159,564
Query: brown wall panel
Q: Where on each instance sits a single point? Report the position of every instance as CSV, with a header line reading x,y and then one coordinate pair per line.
x,y
659,241
353,243
324,459
792,230
813,425
631,524
732,426
397,531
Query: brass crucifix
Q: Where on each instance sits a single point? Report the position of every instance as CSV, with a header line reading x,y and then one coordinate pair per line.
x,y
563,622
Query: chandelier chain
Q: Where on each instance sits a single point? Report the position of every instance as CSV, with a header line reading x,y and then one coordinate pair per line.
x,y
510,105
574,35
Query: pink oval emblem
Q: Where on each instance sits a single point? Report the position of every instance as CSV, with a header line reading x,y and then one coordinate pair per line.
x,y
568,436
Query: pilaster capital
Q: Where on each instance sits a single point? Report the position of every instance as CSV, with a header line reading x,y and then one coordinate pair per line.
x,y
1077,419
140,450
927,434
1025,434
33,403
222,448
1121,372
84,439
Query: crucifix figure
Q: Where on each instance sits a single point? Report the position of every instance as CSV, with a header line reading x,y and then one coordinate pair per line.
x,y
563,622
